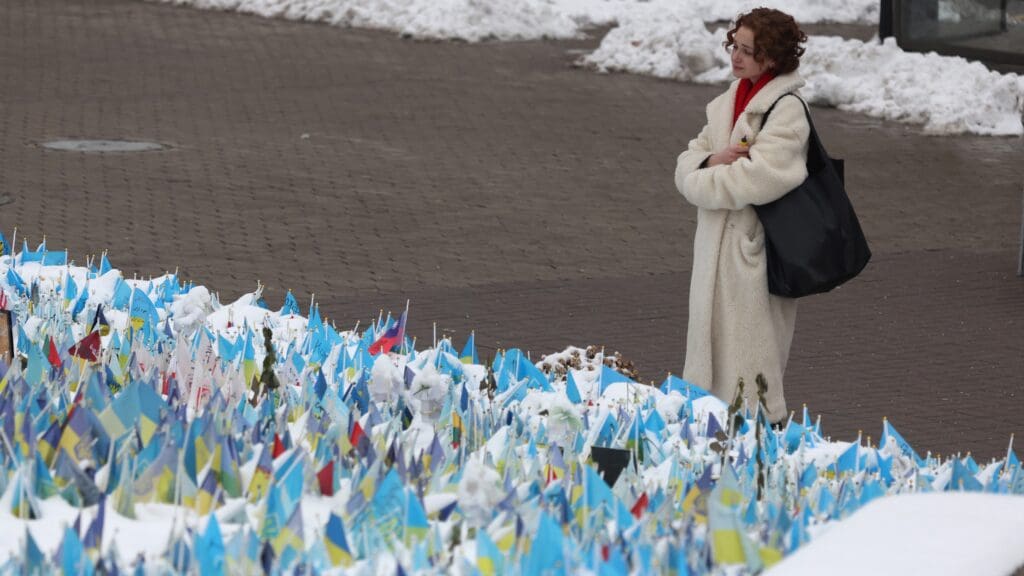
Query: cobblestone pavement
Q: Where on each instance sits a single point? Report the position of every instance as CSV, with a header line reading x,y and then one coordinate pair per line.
x,y
498,188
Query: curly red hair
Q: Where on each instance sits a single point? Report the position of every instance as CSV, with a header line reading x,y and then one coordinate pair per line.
x,y
777,37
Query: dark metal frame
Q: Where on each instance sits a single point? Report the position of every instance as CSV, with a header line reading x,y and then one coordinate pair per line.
x,y
893,23
1020,263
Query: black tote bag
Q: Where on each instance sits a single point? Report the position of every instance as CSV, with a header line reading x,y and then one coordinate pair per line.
x,y
813,240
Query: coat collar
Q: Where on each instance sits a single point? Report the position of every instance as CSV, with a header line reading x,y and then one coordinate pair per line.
x,y
771,92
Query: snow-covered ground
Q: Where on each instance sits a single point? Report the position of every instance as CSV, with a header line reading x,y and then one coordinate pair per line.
x,y
668,39
130,439
932,534
476,20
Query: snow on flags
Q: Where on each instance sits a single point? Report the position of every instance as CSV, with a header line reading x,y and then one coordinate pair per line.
x,y
393,336
395,474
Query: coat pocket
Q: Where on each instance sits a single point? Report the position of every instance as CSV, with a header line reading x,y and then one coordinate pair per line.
x,y
752,249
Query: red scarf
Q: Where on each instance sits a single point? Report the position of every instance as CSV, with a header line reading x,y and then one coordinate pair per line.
x,y
745,93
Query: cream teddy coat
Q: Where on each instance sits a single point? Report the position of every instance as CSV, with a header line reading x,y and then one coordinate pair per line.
x,y
736,328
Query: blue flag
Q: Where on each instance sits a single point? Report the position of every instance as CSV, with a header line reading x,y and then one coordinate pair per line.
x,y
122,295
143,312
15,281
889,433
104,264
687,389
210,549
546,554
290,305
468,355
571,390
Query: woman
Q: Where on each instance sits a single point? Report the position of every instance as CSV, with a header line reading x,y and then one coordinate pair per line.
x,y
737,329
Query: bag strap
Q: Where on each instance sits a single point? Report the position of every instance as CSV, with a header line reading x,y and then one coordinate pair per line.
x,y
814,146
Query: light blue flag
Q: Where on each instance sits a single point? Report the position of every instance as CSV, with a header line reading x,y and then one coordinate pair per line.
x,y
34,557
314,322
72,554
963,480
143,311
27,255
104,264
5,248
468,355
70,288
609,377
210,549
597,493
870,491
37,364
226,349
387,505
83,299
687,389
571,390
546,554
825,502
655,424
416,522
489,559
290,305
847,463
794,434
809,475
55,258
122,295
889,434
14,281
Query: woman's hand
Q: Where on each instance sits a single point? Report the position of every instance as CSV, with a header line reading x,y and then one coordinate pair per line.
x,y
729,155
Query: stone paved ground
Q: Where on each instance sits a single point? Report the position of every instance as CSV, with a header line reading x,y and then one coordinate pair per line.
x,y
499,189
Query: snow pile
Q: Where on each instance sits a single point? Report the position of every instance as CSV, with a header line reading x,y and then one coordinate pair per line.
x,y
668,44
477,20
948,95
919,534
470,20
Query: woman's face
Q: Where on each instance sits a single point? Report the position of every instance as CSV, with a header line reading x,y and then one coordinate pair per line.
x,y
743,64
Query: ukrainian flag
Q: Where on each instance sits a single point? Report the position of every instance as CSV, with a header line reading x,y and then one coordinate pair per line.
x,y
489,558
468,355
260,483
336,543
290,535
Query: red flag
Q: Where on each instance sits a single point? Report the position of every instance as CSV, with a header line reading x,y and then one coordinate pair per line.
x,y
278,447
391,337
357,433
551,475
640,507
54,356
87,348
326,478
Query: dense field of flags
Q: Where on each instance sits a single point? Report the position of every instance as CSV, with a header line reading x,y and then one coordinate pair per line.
x,y
146,427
